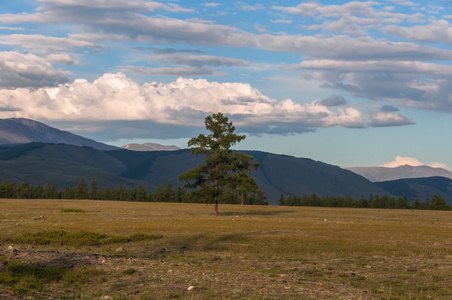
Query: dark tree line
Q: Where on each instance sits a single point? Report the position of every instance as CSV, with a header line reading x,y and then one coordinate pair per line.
x,y
90,191
170,193
437,202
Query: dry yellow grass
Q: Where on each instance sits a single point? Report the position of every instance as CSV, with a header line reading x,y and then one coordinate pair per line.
x,y
256,252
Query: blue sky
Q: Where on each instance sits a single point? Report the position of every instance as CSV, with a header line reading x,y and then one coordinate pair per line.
x,y
351,83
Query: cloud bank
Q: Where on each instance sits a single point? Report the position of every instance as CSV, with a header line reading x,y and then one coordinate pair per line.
x,y
182,103
345,57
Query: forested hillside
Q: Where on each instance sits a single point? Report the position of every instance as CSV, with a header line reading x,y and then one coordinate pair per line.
x,y
64,165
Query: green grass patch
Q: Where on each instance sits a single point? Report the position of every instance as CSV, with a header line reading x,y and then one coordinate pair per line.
x,y
33,278
80,276
72,210
85,238
129,271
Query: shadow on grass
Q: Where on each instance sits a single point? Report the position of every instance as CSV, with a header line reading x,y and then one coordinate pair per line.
x,y
56,259
188,243
204,243
255,213
231,238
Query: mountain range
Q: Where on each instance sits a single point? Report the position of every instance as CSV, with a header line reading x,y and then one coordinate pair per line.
x,y
376,174
62,158
149,147
64,165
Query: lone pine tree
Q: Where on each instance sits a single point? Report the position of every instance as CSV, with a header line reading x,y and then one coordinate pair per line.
x,y
223,168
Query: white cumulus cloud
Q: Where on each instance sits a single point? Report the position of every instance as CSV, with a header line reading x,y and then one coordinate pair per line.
x,y
62,58
386,119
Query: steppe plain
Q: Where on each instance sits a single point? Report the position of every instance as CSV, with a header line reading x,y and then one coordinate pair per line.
x,y
83,249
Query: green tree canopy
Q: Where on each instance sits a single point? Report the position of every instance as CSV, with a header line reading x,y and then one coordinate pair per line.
x,y
81,190
223,168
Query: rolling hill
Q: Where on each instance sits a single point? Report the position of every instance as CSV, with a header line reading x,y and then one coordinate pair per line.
x,y
420,188
64,165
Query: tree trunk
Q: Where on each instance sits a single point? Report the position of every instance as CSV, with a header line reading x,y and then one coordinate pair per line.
x,y
215,184
243,198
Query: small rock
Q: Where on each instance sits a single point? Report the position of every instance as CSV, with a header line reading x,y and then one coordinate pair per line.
x,y
190,288
119,249
165,250
13,250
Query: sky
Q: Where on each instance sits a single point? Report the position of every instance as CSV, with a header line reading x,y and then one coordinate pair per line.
x,y
349,83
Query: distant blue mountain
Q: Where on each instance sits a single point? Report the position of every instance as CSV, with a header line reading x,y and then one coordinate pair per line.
x,y
377,174
22,131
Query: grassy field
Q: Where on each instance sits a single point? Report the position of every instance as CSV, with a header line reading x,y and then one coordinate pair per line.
x,y
57,249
